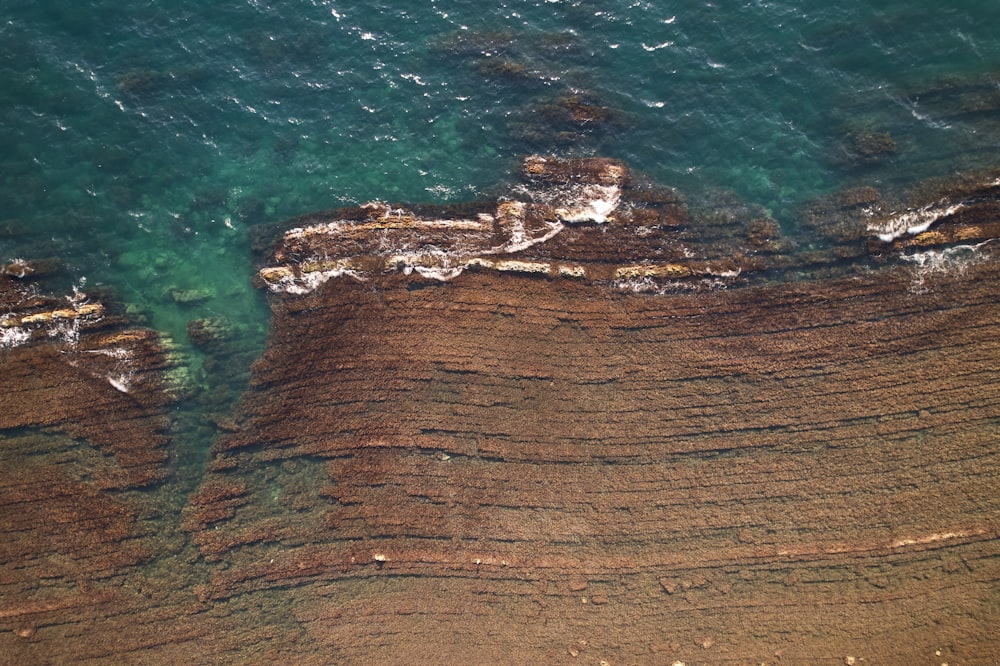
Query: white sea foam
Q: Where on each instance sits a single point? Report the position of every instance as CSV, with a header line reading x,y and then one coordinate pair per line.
x,y
309,282
954,260
15,336
927,120
121,383
17,267
118,353
518,239
415,78
912,222
67,330
595,204
394,236
61,323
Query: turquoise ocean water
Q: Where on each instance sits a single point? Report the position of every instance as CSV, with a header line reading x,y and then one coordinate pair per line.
x,y
141,142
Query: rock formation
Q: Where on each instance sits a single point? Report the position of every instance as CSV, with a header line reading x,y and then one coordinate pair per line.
x,y
575,424
579,424
83,431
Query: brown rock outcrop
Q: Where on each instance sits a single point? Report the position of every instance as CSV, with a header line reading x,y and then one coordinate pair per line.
x,y
83,426
581,424
546,433
69,364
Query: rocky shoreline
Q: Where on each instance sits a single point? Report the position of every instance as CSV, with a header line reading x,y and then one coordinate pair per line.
x,y
578,424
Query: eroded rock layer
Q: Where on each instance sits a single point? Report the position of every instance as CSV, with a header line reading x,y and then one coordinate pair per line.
x,y
580,425
71,365
83,425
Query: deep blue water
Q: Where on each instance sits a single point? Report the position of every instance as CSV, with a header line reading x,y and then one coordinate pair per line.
x,y
141,141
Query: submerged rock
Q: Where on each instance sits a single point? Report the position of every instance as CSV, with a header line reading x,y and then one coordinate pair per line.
x,y
189,296
209,332
868,147
500,67
138,82
572,119
476,42
36,268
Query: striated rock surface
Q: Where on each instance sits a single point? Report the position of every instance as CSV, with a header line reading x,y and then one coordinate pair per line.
x,y
71,365
581,424
83,440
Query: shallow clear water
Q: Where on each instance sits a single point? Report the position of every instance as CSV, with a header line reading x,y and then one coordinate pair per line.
x,y
141,141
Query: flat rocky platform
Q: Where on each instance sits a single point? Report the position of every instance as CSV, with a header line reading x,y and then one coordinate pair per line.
x,y
581,424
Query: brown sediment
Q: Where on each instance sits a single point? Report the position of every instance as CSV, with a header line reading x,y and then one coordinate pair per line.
x,y
583,424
